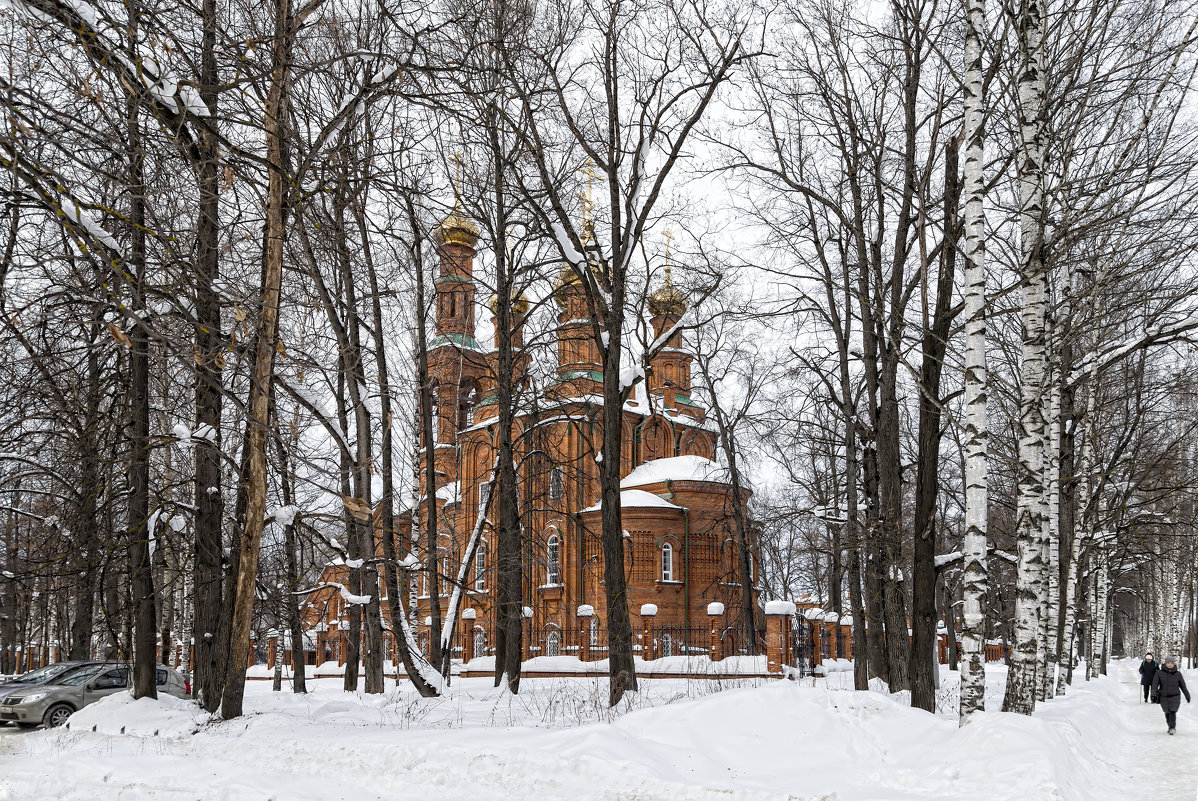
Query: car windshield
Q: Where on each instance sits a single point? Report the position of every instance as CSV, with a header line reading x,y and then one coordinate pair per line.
x,y
82,677
43,673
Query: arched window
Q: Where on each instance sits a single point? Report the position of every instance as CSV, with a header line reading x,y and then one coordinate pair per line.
x,y
555,484
667,645
480,567
594,632
484,495
553,644
667,562
553,560
468,398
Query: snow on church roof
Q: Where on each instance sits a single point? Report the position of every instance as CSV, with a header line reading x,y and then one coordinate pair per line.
x,y
637,499
676,468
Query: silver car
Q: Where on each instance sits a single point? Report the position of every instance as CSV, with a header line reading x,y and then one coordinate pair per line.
x,y
52,704
50,674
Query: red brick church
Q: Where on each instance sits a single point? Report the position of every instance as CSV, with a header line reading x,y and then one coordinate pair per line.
x,y
675,499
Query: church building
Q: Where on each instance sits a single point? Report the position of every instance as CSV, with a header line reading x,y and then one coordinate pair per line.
x,y
675,499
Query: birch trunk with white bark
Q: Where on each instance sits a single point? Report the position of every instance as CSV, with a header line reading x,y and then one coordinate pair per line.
x,y
1029,525
975,584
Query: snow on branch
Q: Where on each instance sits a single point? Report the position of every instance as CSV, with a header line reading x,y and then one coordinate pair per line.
x,y
350,598
1149,337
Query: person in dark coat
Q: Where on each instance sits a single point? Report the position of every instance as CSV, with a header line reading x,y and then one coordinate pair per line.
x,y
1168,685
1148,669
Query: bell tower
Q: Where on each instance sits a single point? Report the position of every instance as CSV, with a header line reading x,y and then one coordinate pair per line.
x,y
670,369
456,361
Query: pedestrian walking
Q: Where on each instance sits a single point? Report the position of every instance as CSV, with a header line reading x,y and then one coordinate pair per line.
x,y
1148,669
1168,685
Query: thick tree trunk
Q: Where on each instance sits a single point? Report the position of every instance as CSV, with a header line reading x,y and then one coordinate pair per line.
x,y
621,667
207,578
923,666
141,573
254,479
508,557
875,624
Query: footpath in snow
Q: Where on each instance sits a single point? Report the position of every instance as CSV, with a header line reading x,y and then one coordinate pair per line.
x,y
1164,767
678,740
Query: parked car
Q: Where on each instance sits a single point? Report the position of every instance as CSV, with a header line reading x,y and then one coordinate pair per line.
x,y
52,704
50,674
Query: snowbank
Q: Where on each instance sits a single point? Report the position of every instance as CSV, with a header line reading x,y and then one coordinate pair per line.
x,y
675,739
165,716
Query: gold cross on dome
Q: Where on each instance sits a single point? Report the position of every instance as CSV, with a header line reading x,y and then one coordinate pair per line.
x,y
669,235
588,202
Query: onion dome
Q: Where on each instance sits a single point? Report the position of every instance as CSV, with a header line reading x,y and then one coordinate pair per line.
x,y
668,300
519,305
457,230
566,277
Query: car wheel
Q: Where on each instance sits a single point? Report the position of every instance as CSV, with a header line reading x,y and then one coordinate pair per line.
x,y
57,715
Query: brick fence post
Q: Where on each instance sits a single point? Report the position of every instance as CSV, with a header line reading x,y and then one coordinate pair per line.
x,y
526,622
648,613
777,635
272,648
715,614
586,613
468,618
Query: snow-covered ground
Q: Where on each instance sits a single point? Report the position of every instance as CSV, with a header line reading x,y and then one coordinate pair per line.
x,y
732,740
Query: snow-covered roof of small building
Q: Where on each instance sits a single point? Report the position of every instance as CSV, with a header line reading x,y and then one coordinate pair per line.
x,y
638,499
676,468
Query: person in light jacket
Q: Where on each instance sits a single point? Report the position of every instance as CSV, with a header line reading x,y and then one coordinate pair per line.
x,y
1148,669
1168,685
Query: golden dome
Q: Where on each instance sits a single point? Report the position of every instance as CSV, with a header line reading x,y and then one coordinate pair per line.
x,y
519,305
457,230
668,300
566,277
